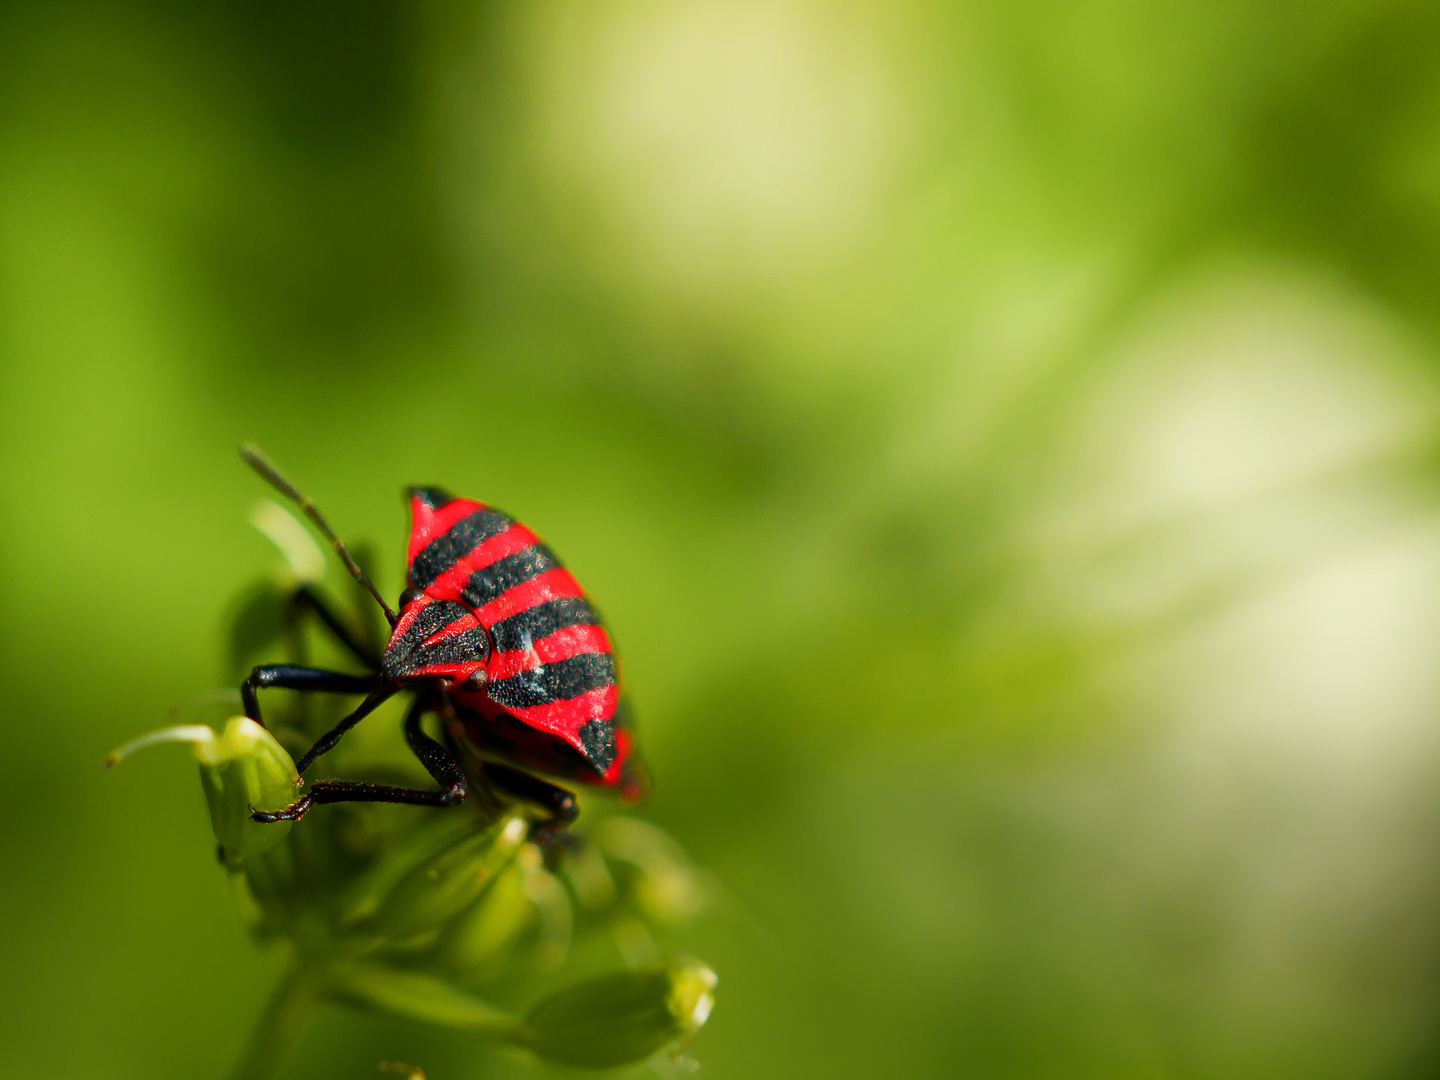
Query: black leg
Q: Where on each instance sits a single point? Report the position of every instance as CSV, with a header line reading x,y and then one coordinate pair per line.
x,y
442,765
553,799
306,598
560,804
436,759
460,749
326,742
312,680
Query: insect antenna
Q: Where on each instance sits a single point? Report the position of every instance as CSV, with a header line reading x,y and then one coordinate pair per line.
x,y
257,461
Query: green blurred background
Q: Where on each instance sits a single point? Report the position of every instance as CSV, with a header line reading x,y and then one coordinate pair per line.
x,y
1002,435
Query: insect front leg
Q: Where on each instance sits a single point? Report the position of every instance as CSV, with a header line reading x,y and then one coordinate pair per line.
x,y
316,680
438,762
305,679
326,742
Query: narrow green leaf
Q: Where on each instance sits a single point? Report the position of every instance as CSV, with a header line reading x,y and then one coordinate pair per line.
x,y
420,997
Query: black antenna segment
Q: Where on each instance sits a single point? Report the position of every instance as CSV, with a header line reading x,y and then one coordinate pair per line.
x,y
261,464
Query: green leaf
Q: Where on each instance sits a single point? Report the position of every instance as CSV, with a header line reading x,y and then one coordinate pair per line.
x,y
420,997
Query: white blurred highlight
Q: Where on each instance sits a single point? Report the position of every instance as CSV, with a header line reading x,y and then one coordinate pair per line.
x,y
730,140
1248,843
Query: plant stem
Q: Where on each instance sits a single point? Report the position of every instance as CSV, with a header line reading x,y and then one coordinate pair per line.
x,y
286,1015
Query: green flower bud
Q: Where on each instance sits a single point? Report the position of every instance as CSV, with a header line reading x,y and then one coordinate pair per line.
x,y
589,877
669,888
243,768
264,615
552,907
623,1018
478,941
450,880
401,855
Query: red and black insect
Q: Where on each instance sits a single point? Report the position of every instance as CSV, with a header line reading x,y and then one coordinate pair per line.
x,y
496,637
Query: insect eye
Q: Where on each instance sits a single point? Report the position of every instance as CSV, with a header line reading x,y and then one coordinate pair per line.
x,y
476,681
409,596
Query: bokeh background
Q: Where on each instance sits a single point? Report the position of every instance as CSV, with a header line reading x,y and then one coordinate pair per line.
x,y
1002,435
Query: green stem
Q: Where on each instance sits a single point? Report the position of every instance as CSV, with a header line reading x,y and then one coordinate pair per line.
x,y
286,1015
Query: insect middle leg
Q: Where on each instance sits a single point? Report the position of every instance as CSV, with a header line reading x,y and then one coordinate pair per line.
x,y
494,777
316,680
438,762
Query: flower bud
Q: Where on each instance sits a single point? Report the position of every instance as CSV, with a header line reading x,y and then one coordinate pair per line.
x,y
450,880
243,768
623,1018
555,916
669,889
399,856
590,879
478,941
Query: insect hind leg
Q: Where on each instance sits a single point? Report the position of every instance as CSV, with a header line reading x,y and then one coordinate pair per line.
x,y
555,800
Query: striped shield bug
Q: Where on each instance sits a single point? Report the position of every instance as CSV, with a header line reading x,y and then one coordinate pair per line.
x,y
495,637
